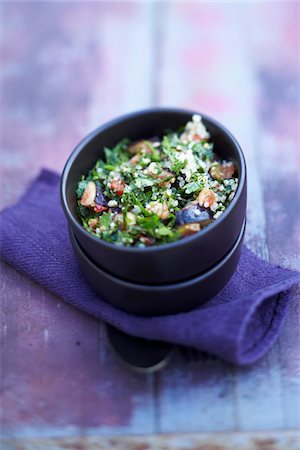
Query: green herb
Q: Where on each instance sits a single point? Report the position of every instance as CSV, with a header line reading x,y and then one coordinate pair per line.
x,y
80,188
155,154
192,187
141,177
84,212
178,166
167,147
105,220
149,223
163,231
202,152
109,167
143,181
118,154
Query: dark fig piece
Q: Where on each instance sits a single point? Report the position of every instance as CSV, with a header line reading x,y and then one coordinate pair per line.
x,y
193,214
100,198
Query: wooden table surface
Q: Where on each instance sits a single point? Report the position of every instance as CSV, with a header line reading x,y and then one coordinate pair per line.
x,y
66,68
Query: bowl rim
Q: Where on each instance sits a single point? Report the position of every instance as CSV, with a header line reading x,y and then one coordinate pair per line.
x,y
162,247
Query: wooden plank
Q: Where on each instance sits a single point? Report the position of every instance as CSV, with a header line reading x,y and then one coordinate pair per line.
x,y
279,170
80,64
65,71
217,74
287,393
58,376
262,440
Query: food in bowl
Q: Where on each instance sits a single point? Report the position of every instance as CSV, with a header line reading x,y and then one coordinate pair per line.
x,y
157,190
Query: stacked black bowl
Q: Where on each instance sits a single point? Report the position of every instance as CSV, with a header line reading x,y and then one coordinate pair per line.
x,y
163,279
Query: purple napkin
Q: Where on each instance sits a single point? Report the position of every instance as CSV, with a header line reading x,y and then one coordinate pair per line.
x,y
239,324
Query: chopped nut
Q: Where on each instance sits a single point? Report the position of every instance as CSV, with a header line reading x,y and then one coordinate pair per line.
x,y
89,194
155,172
206,198
130,218
139,146
160,209
146,240
222,171
93,223
135,159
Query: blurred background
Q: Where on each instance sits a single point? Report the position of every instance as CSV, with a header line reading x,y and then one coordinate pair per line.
x,y
66,68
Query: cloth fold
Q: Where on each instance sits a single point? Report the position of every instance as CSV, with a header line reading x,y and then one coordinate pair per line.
x,y
238,325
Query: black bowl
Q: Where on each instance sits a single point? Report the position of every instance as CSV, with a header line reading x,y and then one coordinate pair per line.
x,y
153,300
161,263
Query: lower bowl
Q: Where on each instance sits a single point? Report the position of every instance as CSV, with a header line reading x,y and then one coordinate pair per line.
x,y
160,299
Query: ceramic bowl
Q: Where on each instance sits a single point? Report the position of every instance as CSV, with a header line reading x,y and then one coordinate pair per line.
x,y
167,263
159,299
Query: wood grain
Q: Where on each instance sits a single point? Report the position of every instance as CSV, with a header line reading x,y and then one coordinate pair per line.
x,y
69,66
278,440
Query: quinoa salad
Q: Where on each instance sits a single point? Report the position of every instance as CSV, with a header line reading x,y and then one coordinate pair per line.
x,y
157,190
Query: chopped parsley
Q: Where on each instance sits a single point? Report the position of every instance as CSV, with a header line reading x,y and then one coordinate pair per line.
x,y
156,190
